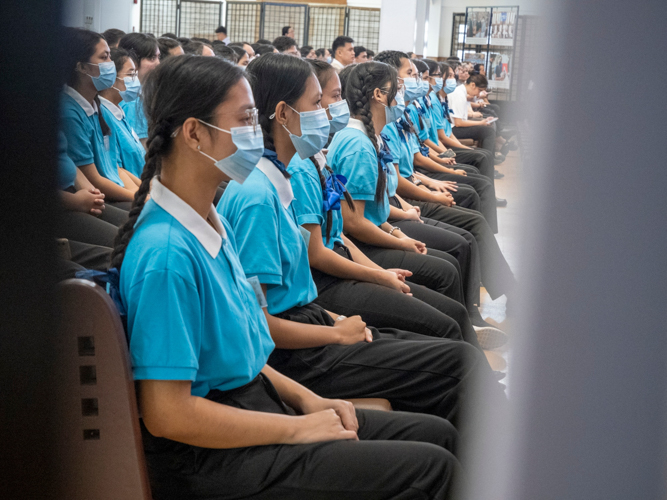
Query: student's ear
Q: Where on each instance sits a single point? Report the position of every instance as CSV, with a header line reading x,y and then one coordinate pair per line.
x,y
377,95
281,113
193,133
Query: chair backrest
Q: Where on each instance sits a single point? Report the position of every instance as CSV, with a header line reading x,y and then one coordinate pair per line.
x,y
95,404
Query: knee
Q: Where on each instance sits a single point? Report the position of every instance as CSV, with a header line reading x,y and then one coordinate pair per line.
x,y
435,430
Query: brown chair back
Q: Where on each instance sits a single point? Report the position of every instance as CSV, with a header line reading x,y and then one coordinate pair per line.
x,y
101,454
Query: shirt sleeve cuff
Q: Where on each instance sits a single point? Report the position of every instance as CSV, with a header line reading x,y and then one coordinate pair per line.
x,y
362,196
164,373
310,219
267,279
84,161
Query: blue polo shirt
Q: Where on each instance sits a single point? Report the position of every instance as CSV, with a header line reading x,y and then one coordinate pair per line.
x,y
134,111
420,126
85,142
191,312
129,151
271,246
309,199
66,167
352,155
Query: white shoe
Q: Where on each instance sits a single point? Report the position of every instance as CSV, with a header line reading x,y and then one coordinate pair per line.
x,y
490,337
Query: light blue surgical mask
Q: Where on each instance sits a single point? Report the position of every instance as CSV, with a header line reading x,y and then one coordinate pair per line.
x,y
107,75
412,89
132,89
438,84
329,59
450,85
314,132
425,87
249,143
395,113
340,116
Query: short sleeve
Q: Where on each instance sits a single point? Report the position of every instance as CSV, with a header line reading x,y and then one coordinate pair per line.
x,y
257,233
394,142
165,326
361,171
79,137
307,198
421,130
459,104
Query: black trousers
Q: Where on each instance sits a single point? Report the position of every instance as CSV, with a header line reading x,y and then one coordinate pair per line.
x,y
87,228
466,195
414,372
486,135
497,276
484,188
481,159
454,241
398,456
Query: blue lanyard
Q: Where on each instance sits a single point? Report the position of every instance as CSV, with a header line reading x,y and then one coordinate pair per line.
x,y
272,156
385,158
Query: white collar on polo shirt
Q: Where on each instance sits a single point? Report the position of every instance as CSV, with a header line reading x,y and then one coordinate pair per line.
x,y
209,237
278,180
359,125
115,110
90,110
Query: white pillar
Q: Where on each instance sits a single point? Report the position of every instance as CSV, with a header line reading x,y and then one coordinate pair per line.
x,y
434,29
397,25
100,15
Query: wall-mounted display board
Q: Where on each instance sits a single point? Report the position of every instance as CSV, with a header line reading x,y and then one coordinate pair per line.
x,y
489,39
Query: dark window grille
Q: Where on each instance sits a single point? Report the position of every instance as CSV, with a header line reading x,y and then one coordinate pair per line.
x,y
277,15
158,16
363,26
325,24
458,34
244,21
199,18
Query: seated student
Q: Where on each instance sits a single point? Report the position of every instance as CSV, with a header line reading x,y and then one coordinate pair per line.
x,y
128,150
147,54
360,54
89,70
307,52
221,35
196,48
332,255
85,217
169,47
263,41
214,418
287,45
250,50
468,129
244,59
288,31
265,49
113,36
323,55
224,52
370,55
342,51
330,354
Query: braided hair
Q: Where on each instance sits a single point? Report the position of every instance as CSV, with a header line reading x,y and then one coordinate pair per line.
x,y
180,88
359,88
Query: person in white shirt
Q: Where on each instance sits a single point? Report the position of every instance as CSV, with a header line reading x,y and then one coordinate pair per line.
x,y
481,131
221,34
343,52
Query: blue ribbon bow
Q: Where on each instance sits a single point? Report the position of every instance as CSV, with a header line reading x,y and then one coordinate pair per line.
x,y
384,155
332,192
427,102
112,279
272,156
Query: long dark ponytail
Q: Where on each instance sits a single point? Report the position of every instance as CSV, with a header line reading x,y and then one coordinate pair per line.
x,y
180,88
79,45
360,84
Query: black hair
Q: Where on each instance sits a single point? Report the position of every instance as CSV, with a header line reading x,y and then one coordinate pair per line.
x,y
181,88
143,46
391,57
193,47
433,67
359,87
477,67
479,80
255,46
169,35
113,35
358,50
276,78
283,43
420,65
321,52
205,41
305,50
323,71
264,41
235,44
79,47
264,49
344,75
340,41
370,53
285,30
221,29
224,52
166,44
183,40
119,57
239,51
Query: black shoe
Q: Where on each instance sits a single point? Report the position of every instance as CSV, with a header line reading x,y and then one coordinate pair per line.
x,y
497,175
499,375
505,149
501,202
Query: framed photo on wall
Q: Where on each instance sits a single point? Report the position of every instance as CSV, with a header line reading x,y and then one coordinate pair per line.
x,y
478,20
503,26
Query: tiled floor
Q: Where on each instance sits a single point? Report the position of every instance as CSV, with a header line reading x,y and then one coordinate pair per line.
x,y
509,220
